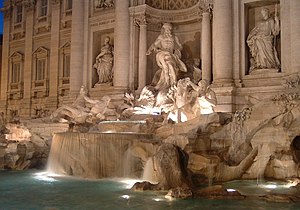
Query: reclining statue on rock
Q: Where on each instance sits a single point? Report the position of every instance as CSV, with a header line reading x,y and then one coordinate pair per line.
x,y
83,110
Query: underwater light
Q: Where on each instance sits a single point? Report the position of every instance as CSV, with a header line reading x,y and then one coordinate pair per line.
x,y
157,199
125,196
230,190
270,186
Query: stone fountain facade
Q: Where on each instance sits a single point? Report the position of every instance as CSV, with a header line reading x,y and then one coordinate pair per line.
x,y
117,71
48,55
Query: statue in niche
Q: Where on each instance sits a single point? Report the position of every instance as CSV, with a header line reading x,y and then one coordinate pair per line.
x,y
261,41
104,63
168,57
104,3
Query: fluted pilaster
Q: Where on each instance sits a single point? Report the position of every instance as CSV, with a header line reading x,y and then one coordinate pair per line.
x,y
223,42
77,41
295,35
121,44
142,54
206,47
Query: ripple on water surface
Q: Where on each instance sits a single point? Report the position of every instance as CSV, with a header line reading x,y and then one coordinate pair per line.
x,y
35,190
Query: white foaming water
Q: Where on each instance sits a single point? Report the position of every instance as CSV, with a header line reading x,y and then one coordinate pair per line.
x,y
149,173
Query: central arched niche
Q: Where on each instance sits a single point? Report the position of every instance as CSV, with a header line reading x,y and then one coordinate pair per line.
x,y
171,4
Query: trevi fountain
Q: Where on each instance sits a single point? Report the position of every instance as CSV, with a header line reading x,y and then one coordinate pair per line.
x,y
164,145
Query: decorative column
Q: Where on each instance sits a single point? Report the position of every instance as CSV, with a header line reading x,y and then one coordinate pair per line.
x,y
142,53
223,56
77,49
206,46
121,44
5,55
223,42
54,55
86,68
26,102
295,35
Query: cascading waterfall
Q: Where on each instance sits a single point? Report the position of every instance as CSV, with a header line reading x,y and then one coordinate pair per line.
x,y
92,155
149,173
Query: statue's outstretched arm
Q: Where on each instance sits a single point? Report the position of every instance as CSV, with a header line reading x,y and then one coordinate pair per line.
x,y
154,46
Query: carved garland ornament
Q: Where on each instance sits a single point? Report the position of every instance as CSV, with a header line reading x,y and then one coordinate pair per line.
x,y
171,4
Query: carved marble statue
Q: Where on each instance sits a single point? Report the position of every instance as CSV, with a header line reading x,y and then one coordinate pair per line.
x,y
206,97
168,56
104,63
197,72
104,3
261,42
84,109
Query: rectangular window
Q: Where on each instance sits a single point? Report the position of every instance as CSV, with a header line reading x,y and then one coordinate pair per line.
x,y
67,59
69,4
44,8
16,70
19,14
40,69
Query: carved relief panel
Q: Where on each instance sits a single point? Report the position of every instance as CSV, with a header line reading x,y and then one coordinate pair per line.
x,y
171,4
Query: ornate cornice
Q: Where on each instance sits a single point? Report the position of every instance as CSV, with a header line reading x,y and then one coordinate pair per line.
x,y
7,9
191,14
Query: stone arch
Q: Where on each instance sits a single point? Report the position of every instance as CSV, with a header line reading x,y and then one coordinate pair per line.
x,y
295,147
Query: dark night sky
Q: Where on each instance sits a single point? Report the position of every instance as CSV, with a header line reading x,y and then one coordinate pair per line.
x,y
1,17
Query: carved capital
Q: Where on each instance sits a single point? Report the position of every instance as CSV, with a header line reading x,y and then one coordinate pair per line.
x,y
29,4
54,2
207,5
140,21
7,9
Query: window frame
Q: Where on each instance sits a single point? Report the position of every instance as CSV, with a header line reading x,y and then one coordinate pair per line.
x,y
41,12
18,18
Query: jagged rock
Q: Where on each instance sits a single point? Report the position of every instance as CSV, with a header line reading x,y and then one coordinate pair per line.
x,y
226,173
143,186
180,193
27,145
281,198
191,127
178,140
217,192
170,164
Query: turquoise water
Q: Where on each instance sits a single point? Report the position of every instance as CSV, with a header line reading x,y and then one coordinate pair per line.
x,y
32,190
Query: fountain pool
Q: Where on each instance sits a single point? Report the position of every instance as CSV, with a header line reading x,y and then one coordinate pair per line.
x,y
34,190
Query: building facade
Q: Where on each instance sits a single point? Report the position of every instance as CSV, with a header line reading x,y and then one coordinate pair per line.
x,y
51,48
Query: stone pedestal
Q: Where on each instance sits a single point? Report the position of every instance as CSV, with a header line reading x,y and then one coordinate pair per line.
x,y
225,99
